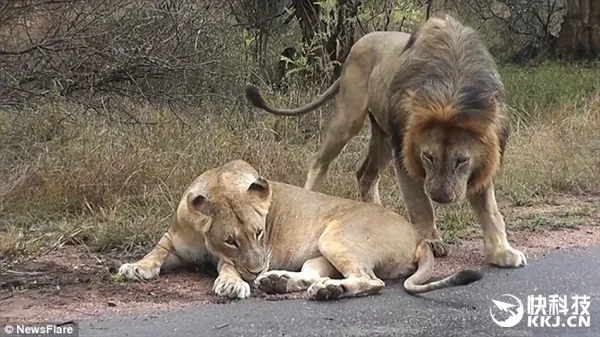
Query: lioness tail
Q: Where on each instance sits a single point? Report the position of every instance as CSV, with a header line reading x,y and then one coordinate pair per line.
x,y
254,98
416,282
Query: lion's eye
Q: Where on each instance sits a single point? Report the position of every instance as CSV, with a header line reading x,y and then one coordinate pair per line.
x,y
259,233
461,161
428,157
231,241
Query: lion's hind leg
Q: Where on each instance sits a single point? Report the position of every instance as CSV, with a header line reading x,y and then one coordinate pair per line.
x,y
354,285
283,281
351,111
150,265
377,160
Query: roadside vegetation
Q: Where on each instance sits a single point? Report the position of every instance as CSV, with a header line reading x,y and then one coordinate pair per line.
x,y
102,165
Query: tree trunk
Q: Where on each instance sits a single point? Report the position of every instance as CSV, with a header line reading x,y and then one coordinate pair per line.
x,y
307,12
579,35
336,45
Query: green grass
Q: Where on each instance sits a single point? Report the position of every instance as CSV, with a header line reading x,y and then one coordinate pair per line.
x,y
535,91
113,186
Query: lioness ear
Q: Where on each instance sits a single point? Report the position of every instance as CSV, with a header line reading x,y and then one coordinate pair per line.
x,y
199,203
260,188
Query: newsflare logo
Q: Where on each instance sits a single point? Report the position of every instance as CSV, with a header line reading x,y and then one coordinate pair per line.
x,y
542,311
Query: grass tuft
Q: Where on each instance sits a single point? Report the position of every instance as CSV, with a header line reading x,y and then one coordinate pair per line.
x,y
71,175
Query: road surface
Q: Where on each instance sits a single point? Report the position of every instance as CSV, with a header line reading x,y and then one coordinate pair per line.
x,y
462,311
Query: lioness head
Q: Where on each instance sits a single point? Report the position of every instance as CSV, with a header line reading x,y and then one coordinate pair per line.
x,y
232,202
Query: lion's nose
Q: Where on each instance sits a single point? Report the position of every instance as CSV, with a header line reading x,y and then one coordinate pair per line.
x,y
442,197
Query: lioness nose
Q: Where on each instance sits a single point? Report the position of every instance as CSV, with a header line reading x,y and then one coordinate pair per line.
x,y
255,271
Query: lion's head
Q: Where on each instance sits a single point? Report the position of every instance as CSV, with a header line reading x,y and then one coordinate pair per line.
x,y
232,203
448,129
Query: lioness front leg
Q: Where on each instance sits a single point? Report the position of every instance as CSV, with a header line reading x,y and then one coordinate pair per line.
x,y
229,283
150,265
283,281
420,210
499,252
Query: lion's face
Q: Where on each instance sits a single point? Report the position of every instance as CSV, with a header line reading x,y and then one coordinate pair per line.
x,y
449,156
235,209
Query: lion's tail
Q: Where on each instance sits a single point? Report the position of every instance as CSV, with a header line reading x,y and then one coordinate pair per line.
x,y
416,283
254,98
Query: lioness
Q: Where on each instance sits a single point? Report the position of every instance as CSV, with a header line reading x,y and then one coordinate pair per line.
x,y
232,217
436,104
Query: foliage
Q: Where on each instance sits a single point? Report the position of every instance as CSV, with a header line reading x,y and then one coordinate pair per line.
x,y
90,154
520,30
159,50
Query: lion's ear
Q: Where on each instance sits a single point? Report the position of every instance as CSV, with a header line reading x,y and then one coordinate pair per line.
x,y
199,203
411,93
494,98
411,99
260,187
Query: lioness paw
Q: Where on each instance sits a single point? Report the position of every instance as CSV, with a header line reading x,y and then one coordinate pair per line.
x,y
281,282
325,290
231,287
272,283
139,272
507,257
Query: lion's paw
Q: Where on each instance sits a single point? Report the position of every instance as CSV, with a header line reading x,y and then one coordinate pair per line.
x,y
438,247
139,272
231,287
507,257
325,290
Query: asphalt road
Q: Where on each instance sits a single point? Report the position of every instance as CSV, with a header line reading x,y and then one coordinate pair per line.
x,y
463,311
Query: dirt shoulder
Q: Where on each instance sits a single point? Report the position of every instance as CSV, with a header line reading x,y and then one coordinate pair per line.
x,y
73,284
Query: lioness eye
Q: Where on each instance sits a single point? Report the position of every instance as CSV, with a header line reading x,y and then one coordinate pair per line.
x,y
230,241
259,233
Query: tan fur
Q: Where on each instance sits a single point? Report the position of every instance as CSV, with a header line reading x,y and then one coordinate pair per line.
x,y
290,239
436,105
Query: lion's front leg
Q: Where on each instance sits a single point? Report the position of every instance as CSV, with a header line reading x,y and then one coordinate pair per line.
x,y
499,252
150,265
229,283
420,210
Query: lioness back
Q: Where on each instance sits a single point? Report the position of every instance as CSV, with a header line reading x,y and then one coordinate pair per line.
x,y
299,217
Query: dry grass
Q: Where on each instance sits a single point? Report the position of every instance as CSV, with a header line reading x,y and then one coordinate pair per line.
x,y
83,179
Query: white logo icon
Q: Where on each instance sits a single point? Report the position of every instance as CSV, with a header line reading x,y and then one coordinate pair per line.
x,y
515,310
9,329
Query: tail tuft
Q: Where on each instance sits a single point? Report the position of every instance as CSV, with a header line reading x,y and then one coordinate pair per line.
x,y
254,98
465,277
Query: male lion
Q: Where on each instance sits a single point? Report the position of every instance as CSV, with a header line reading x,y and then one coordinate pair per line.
x,y
233,218
436,102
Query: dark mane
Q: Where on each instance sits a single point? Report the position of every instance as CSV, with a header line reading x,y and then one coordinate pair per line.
x,y
447,75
